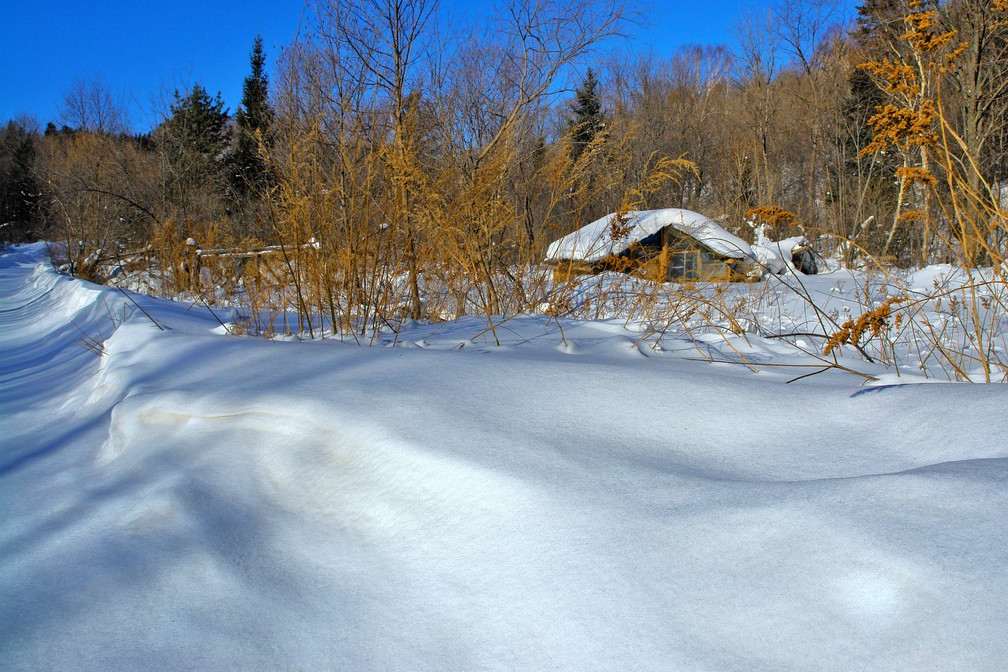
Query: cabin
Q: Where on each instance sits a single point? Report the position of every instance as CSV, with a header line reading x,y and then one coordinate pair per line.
x,y
662,245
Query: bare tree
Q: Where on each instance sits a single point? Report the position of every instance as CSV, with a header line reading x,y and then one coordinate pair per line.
x,y
979,88
758,64
387,38
90,106
489,100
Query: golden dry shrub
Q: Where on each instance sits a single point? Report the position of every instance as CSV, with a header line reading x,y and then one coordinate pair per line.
x,y
773,215
916,174
902,127
874,322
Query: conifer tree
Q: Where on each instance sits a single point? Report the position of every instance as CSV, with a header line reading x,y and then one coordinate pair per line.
x,y
198,126
254,119
195,145
18,189
587,118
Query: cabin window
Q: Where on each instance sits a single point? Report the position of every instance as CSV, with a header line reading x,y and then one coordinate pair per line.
x,y
684,264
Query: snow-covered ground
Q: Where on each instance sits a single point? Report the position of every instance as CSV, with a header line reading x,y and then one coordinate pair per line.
x,y
192,500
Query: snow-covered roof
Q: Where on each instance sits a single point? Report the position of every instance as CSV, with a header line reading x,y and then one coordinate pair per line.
x,y
594,241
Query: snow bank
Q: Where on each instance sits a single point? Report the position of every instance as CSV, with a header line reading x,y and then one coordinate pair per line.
x,y
193,501
594,241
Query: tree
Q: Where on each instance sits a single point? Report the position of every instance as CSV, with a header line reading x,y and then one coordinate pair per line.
x,y
978,104
101,195
198,124
18,189
386,41
90,106
195,143
254,119
879,24
587,118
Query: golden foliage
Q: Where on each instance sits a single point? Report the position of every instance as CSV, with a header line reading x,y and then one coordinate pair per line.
x,y
664,171
912,216
620,226
902,127
896,79
915,174
873,321
922,34
773,215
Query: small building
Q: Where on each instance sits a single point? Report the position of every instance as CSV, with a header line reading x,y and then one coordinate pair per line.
x,y
661,245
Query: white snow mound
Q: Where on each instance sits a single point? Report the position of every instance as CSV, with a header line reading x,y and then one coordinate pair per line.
x,y
775,255
200,502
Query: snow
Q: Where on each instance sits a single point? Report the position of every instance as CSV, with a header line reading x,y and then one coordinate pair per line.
x,y
192,500
595,241
775,255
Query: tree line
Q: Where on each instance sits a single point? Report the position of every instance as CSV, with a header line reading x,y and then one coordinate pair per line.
x,y
427,166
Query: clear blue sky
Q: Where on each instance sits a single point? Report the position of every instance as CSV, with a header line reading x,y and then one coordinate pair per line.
x,y
144,50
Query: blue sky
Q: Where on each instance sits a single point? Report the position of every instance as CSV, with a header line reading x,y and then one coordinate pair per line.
x,y
145,50
140,49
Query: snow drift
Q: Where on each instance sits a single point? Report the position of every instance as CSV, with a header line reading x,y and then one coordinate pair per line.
x,y
195,501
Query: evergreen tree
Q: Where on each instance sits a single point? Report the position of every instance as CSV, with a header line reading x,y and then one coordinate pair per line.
x,y
254,119
879,22
18,189
197,129
587,118
195,143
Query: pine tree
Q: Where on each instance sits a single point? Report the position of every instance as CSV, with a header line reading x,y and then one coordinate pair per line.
x,y
587,118
196,143
199,124
254,119
18,189
879,23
